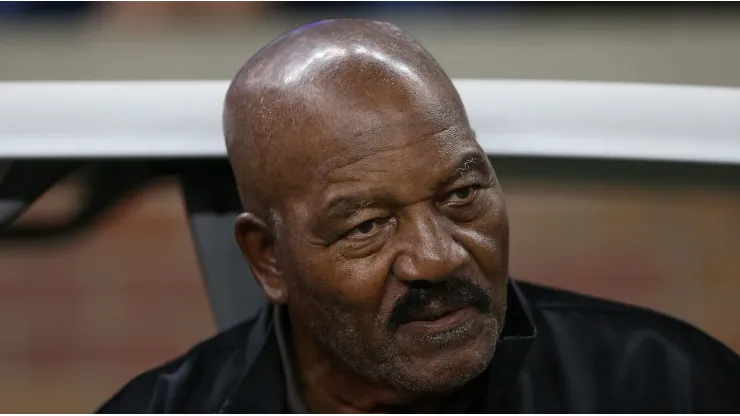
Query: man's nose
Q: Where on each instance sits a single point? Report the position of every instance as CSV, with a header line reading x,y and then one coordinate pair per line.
x,y
428,251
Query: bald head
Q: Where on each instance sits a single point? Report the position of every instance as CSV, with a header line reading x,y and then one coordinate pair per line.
x,y
335,81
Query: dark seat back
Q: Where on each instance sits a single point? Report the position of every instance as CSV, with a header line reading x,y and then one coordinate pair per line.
x,y
213,204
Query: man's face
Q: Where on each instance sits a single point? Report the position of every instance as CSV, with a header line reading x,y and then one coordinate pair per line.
x,y
397,252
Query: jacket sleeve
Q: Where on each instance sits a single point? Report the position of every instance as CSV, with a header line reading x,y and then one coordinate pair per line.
x,y
715,377
160,390
138,396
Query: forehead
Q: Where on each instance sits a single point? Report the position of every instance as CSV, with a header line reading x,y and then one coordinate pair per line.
x,y
421,125
400,154
402,164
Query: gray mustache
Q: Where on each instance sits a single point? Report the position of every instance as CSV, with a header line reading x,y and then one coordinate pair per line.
x,y
454,292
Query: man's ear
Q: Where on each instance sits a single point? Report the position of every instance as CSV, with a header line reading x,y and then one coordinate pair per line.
x,y
257,243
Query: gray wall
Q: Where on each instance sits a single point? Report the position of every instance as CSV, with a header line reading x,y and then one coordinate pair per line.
x,y
663,48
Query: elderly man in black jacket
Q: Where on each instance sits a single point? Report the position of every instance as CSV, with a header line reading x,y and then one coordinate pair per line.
x,y
375,225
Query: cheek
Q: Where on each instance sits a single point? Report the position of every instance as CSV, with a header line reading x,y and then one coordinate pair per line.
x,y
352,285
487,238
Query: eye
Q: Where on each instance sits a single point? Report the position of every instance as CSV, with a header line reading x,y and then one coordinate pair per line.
x,y
462,195
364,229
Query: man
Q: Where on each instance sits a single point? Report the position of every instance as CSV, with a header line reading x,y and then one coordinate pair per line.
x,y
376,227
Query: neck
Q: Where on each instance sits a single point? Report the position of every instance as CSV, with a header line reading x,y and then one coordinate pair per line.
x,y
327,385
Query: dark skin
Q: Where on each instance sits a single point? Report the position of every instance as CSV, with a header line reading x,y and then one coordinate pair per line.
x,y
372,214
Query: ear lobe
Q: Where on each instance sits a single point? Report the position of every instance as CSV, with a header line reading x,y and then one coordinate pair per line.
x,y
257,245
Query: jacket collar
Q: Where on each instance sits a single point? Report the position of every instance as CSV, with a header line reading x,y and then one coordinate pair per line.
x,y
503,390
262,389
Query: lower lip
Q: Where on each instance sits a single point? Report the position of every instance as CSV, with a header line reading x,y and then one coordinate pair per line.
x,y
445,323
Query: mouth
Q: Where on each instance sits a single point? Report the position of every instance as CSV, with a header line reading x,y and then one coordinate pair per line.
x,y
439,320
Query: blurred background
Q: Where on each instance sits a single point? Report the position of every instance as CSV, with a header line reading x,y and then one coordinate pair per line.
x,y
79,317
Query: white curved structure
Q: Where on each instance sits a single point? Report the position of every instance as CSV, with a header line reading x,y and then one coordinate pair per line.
x,y
511,118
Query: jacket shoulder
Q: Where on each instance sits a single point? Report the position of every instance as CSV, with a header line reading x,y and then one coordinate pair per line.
x,y
197,381
635,345
591,310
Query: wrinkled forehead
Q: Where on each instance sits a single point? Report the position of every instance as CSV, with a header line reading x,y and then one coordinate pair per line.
x,y
404,150
320,145
385,155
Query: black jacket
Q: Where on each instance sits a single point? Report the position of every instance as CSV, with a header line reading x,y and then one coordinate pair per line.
x,y
560,353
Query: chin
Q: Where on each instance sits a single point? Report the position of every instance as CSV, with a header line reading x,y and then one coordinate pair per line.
x,y
449,368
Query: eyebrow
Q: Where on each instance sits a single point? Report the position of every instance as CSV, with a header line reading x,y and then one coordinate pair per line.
x,y
469,161
348,205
